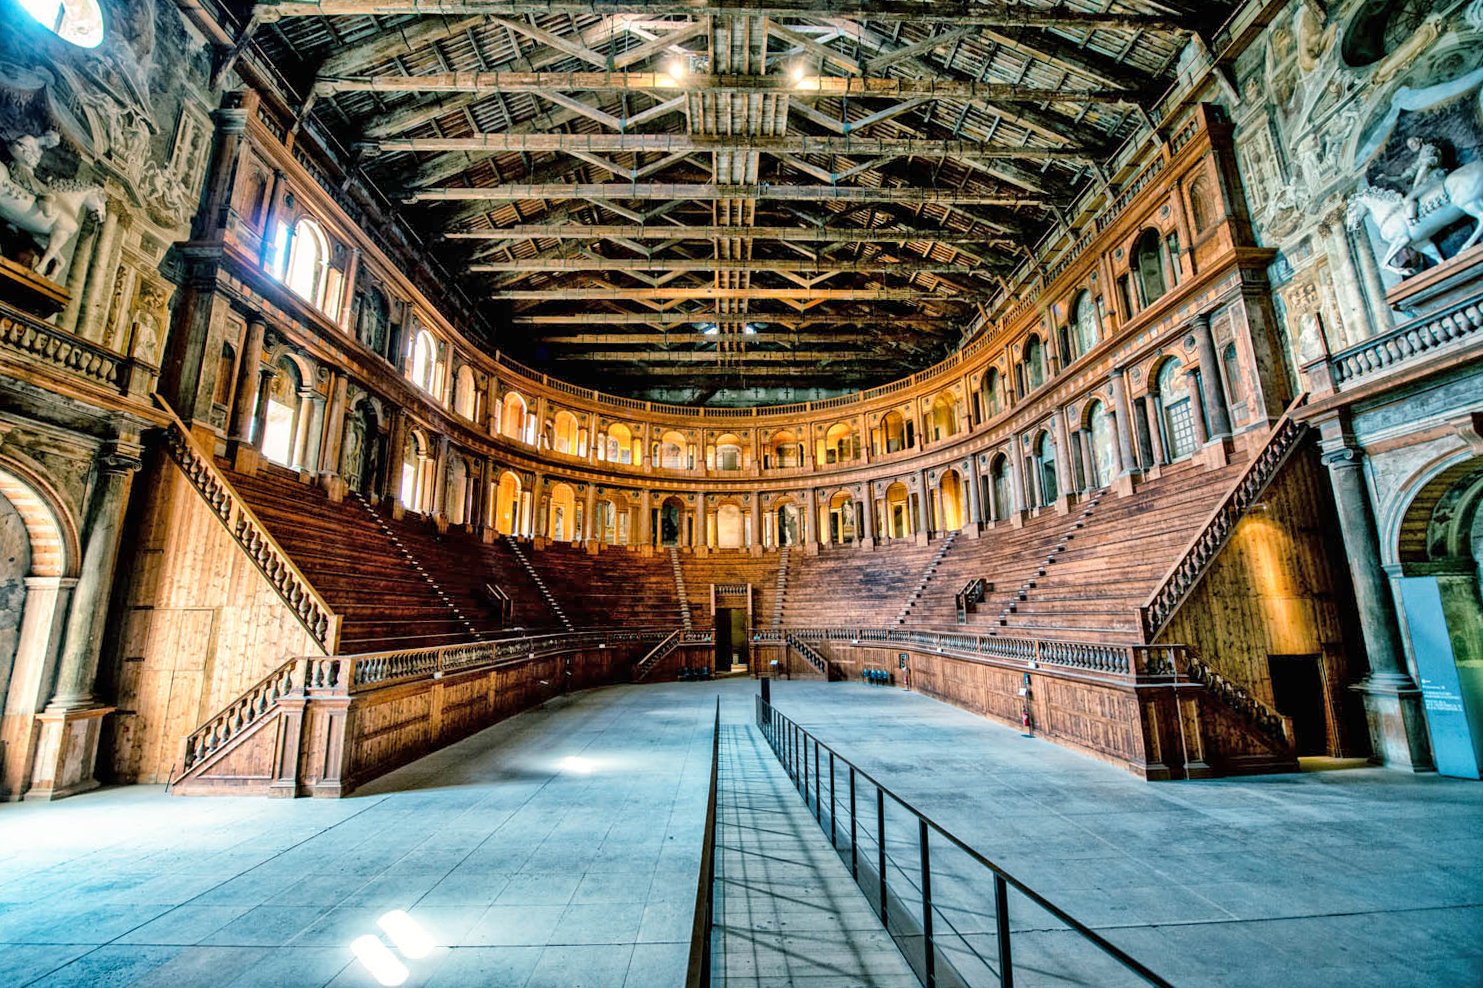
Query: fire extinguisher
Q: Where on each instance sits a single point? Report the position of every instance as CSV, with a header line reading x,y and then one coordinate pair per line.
x,y
1025,722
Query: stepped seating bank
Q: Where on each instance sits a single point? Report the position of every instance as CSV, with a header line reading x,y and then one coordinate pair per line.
x,y
1065,607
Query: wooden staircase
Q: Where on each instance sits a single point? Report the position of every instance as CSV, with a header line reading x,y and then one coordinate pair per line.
x,y
781,589
810,654
1058,547
927,574
540,584
650,662
686,620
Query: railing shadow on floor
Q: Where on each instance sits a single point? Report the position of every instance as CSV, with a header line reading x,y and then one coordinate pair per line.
x,y
926,885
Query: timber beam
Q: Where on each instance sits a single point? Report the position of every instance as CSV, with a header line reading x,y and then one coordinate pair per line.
x,y
876,147
822,266
967,13
564,294
912,195
665,320
789,234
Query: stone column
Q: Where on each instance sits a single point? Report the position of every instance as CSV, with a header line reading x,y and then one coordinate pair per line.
x,y
245,395
1016,475
1031,466
347,289
924,518
975,517
1088,465
1121,420
1392,701
1213,390
1063,454
25,685
260,413
67,750
1197,405
756,512
302,422
314,437
1381,317
646,519
811,520
867,517
440,478
334,429
699,540
589,522
102,269
1153,412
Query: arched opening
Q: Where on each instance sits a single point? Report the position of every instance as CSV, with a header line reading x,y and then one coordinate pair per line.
x,y
672,454
414,454
281,423
1045,464
1104,444
564,433
561,514
360,456
621,446
839,512
893,432
992,390
1084,332
838,444
1034,363
1003,505
465,394
950,494
605,525
729,534
308,262
728,452
671,518
455,498
423,369
788,519
77,22
942,421
1178,415
507,504
787,451
513,418
898,511
1201,204
1147,262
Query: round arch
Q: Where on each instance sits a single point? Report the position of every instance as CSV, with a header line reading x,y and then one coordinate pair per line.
x,y
507,503
951,495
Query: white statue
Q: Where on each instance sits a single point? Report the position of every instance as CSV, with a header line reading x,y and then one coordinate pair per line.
x,y
50,212
1437,199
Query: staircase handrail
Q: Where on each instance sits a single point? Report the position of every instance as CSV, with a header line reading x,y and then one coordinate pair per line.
x,y
242,712
655,654
1275,726
244,526
814,656
1187,571
972,593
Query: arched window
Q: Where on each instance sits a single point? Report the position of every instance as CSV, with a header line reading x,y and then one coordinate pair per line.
x,y
672,451
1148,266
410,489
1045,462
893,432
507,504
787,451
787,524
513,421
898,511
455,497
943,417
78,22
1104,444
564,433
950,500
465,397
1201,204
993,393
728,452
838,444
1084,332
424,360
1034,361
840,512
999,473
283,414
308,262
1178,421
561,515
621,446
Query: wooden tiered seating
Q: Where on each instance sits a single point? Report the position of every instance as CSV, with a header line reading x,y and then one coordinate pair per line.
x,y
1105,573
845,587
346,554
615,588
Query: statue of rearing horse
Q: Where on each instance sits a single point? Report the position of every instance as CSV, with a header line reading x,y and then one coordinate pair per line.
x,y
1437,200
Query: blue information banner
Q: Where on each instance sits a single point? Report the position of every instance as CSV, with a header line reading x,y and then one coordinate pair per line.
x,y
1453,744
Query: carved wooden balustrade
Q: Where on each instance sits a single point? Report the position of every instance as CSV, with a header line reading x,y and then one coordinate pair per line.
x,y
1274,726
1408,342
810,654
322,623
60,350
255,703
1212,536
645,665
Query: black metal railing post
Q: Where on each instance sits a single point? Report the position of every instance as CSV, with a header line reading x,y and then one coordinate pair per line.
x,y
818,810
1001,922
832,803
928,952
880,846
854,831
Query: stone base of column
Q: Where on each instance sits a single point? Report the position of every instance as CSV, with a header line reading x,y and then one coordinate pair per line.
x,y
398,510
971,530
1063,504
867,543
755,550
1123,485
1213,455
593,547
245,459
701,550
66,752
333,486
810,548
921,538
1397,727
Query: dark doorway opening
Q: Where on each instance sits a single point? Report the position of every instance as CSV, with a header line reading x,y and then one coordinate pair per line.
x,y
731,638
1297,689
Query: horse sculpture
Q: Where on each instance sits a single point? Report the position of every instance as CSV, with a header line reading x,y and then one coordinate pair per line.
x,y
1415,220
50,213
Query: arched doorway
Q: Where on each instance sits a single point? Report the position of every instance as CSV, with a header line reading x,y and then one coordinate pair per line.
x,y
950,499
787,451
787,522
999,481
513,418
621,447
362,448
1045,464
671,519
565,434
898,511
1103,437
841,518
893,432
414,454
561,514
838,443
729,534
942,419
1439,594
672,451
281,422
507,504
455,498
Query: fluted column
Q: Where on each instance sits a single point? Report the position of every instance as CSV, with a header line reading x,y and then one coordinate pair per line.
x,y
699,537
334,429
756,520
1063,454
245,396
646,520
1016,474
975,516
811,518
1088,465
78,669
1153,412
1392,701
1213,389
1120,419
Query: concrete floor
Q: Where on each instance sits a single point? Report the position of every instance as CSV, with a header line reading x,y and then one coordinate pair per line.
x,y
561,848
1356,877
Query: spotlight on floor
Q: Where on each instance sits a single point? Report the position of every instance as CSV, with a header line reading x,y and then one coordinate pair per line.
x,y
408,935
379,960
577,765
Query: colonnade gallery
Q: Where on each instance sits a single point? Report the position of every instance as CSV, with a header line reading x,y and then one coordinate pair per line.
x,y
377,370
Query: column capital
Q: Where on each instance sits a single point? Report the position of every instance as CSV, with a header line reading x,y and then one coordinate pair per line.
x,y
1199,322
120,456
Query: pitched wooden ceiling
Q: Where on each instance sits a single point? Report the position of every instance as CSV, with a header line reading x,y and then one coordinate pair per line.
x,y
698,198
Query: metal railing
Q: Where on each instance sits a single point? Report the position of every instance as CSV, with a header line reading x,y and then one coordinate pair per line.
x,y
936,912
698,974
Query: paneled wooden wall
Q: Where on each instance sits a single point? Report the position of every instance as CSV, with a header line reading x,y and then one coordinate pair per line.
x,y
200,624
